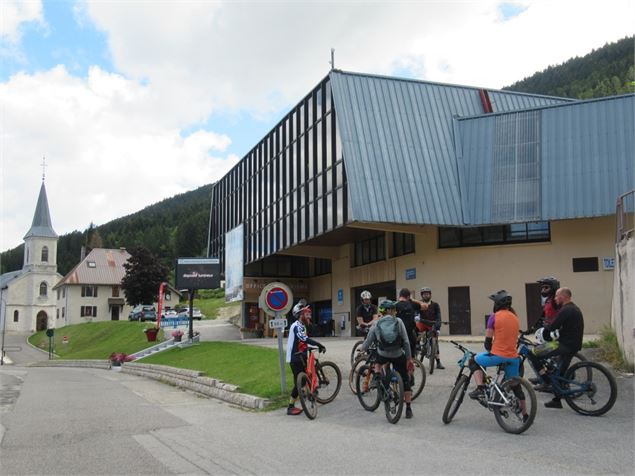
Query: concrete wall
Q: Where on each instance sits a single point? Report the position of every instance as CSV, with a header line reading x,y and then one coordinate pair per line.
x,y
623,316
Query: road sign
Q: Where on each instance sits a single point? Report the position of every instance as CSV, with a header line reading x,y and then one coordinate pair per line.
x,y
174,321
276,299
277,323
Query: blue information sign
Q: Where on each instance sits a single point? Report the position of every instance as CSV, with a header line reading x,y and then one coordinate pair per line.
x,y
411,273
174,321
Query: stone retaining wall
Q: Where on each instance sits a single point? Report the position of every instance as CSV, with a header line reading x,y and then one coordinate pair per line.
x,y
195,381
95,364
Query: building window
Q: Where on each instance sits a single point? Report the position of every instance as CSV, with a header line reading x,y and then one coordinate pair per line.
x,y
43,289
57,313
63,313
370,250
16,316
322,266
494,235
89,291
584,265
88,311
64,292
115,291
45,254
58,294
403,244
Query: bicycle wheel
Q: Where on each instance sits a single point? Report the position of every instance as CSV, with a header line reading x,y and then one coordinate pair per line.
x,y
354,351
594,388
511,416
456,398
432,354
367,385
419,379
307,399
329,381
393,399
352,375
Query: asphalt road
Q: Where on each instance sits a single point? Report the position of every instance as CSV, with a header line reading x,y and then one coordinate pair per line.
x,y
76,421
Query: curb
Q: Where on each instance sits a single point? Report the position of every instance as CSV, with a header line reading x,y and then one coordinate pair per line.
x,y
94,364
195,381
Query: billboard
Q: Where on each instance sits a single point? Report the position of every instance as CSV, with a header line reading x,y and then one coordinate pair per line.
x,y
197,273
234,262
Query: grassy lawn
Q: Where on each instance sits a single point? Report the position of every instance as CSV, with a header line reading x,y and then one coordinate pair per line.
x,y
209,301
254,369
96,340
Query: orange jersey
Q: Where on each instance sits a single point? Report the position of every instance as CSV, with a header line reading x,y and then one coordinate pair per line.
x,y
506,327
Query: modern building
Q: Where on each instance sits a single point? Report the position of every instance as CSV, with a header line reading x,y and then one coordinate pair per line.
x,y
381,183
26,301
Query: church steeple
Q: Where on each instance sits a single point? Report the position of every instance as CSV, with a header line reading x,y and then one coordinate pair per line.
x,y
41,225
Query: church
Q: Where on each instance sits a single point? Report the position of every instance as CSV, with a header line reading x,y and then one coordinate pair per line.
x,y
26,296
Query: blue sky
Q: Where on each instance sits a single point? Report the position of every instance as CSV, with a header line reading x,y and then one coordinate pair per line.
x,y
175,93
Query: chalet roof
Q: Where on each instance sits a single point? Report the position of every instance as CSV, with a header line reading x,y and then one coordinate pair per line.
x,y
100,266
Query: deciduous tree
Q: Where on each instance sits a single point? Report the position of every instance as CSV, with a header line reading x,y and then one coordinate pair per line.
x,y
144,274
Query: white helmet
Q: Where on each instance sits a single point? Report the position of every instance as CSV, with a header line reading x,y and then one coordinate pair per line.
x,y
366,295
539,337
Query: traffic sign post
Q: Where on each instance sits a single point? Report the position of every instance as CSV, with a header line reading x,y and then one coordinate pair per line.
x,y
276,300
50,333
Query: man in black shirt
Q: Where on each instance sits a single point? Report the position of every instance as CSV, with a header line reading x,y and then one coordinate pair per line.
x,y
407,309
366,313
433,313
569,324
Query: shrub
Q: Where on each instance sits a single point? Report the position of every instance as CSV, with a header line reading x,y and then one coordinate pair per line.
x,y
118,358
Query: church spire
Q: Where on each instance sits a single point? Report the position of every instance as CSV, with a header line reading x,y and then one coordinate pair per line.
x,y
41,225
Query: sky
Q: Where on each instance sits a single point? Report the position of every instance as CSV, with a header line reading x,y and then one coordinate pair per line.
x,y
131,102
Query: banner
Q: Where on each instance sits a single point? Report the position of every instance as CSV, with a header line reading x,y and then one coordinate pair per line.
x,y
234,262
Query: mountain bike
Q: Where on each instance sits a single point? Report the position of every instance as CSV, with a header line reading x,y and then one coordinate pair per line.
x,y
588,388
385,386
417,378
552,361
500,396
428,344
319,383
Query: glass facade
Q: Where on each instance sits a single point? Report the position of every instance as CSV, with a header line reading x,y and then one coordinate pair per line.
x,y
288,189
454,237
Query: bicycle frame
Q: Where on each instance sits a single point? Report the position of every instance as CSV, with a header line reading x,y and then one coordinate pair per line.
x,y
310,370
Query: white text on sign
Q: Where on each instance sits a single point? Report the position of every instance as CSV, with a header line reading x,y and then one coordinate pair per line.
x,y
277,323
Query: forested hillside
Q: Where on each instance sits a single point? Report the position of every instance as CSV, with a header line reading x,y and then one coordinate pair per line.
x,y
174,227
603,72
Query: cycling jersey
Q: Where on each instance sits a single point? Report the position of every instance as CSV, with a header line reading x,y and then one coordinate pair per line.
x,y
549,311
297,342
506,327
366,313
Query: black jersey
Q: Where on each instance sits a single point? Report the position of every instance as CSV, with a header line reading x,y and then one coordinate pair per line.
x,y
366,313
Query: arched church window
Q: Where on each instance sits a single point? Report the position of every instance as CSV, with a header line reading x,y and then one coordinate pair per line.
x,y
45,254
16,316
43,289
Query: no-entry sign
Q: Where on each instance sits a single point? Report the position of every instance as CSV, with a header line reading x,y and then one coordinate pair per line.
x,y
276,299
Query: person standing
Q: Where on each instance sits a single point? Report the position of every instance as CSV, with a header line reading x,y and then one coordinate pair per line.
x,y
432,313
407,308
297,349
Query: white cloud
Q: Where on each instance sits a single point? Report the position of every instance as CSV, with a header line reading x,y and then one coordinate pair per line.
x,y
108,153
114,142
13,13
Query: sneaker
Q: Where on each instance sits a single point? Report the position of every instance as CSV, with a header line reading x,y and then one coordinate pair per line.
x,y
293,411
535,380
554,403
440,365
477,393
543,387
408,412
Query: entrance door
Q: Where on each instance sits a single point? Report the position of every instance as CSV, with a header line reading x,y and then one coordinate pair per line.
x,y
41,321
459,307
114,313
533,303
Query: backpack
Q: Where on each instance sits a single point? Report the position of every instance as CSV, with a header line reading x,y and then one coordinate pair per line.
x,y
406,312
388,334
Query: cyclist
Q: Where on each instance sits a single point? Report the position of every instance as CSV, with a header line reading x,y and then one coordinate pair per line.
x,y
568,329
407,308
366,313
548,288
433,313
500,343
396,352
297,349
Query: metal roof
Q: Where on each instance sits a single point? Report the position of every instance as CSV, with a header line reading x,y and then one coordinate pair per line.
x,y
100,266
558,162
41,225
398,144
6,278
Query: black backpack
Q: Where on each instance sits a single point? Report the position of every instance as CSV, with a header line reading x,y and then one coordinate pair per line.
x,y
406,312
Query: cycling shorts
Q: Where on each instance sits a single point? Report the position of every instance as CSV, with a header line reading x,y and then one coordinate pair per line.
x,y
487,359
400,365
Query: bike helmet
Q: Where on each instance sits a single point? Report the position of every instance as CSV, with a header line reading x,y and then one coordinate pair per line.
x,y
425,289
366,295
386,305
299,307
550,281
502,299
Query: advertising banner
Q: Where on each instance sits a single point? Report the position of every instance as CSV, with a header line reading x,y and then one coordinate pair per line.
x,y
234,262
197,273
